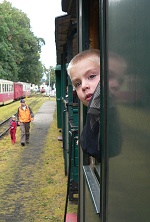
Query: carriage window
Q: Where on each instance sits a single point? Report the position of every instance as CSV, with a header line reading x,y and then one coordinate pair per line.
x,y
10,88
3,87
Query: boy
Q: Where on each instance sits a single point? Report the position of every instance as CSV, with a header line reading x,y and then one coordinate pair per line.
x,y
84,72
13,127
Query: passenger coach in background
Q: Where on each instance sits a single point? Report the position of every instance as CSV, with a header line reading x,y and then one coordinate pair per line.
x,y
26,89
6,92
11,91
18,90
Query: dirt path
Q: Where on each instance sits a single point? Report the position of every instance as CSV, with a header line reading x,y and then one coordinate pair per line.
x,y
19,193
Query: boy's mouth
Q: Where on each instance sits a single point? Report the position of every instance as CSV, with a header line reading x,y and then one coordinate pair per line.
x,y
88,97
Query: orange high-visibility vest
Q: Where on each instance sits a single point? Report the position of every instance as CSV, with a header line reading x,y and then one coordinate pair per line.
x,y
24,115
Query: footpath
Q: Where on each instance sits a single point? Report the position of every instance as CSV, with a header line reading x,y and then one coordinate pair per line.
x,y
13,208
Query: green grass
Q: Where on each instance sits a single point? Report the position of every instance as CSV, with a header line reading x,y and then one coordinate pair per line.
x,y
49,186
9,110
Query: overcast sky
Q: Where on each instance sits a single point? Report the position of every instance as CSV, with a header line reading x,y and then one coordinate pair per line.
x,y
42,15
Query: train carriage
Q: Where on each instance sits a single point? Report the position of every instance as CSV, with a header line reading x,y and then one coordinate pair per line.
x,y
116,189
6,92
26,89
18,90
11,91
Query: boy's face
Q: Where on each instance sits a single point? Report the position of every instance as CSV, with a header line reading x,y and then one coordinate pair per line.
x,y
116,76
85,76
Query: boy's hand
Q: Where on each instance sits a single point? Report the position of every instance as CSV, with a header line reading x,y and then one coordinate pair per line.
x,y
32,119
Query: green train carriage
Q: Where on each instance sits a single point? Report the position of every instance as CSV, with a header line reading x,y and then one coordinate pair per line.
x,y
117,188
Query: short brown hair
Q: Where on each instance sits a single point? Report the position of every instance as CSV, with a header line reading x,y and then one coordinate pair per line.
x,y
91,54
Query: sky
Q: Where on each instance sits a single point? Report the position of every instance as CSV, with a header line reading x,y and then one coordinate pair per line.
x,y
42,15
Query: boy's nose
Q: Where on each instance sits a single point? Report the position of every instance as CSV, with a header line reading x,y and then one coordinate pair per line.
x,y
85,85
114,86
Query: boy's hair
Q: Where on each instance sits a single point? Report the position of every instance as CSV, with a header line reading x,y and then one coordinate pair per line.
x,y
90,54
117,57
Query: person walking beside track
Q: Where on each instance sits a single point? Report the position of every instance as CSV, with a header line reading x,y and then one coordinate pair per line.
x,y
13,128
24,117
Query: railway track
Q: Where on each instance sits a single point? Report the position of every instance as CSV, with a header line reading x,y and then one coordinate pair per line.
x,y
4,127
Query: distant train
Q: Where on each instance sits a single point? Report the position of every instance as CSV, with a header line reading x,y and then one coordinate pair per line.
x,y
11,91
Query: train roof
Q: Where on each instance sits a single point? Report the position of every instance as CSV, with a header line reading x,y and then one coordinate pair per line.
x,y
69,6
66,28
18,83
5,81
27,83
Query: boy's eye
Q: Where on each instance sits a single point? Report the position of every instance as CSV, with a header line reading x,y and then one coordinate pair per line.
x,y
77,84
91,76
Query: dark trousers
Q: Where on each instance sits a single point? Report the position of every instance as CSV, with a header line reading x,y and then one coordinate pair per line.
x,y
25,128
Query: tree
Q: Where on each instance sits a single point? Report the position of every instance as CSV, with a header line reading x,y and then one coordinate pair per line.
x,y
50,72
19,48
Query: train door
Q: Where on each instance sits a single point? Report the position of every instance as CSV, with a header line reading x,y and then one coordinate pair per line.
x,y
128,193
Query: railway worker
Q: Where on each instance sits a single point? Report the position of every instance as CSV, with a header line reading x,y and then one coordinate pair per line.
x,y
24,116
13,128
84,72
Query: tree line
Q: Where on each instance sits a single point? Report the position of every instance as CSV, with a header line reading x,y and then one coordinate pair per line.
x,y
19,48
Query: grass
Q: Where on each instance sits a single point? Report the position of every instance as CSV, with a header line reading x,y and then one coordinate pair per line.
x,y
48,189
52,190
11,109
